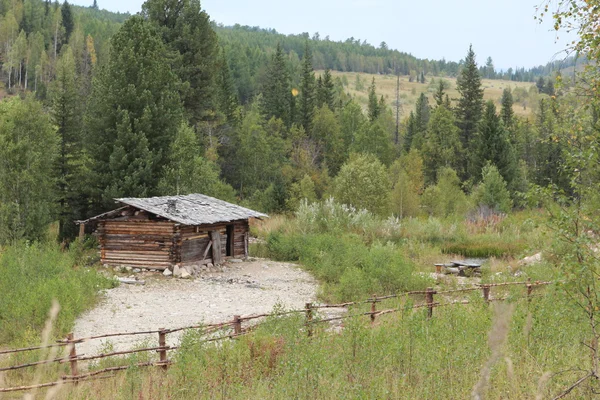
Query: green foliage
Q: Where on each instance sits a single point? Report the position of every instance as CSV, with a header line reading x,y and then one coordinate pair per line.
x,y
470,105
373,109
276,93
442,146
494,145
35,275
349,268
492,191
407,175
363,183
187,32
28,153
307,89
326,133
188,172
66,116
374,139
445,197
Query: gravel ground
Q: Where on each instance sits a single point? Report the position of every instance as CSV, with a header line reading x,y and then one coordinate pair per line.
x,y
244,288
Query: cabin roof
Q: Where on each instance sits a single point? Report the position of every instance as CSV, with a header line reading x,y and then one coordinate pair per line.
x,y
191,209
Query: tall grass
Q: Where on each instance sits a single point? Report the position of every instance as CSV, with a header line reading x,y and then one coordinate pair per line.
x,y
32,276
404,356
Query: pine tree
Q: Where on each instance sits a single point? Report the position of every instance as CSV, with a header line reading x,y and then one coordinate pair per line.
x,y
307,90
95,5
422,79
276,92
66,114
186,30
373,105
470,106
134,113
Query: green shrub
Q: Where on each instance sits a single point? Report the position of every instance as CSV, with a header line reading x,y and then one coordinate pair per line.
x,y
350,268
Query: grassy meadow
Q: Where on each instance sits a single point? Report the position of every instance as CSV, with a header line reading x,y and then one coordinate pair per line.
x,y
410,91
506,350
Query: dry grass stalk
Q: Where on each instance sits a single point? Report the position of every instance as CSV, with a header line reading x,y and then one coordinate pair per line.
x,y
542,385
46,334
496,339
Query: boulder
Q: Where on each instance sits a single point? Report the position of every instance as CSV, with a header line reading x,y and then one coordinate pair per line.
x,y
176,271
185,274
167,272
137,270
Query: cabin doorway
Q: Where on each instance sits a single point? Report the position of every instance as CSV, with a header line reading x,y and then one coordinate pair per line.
x,y
230,241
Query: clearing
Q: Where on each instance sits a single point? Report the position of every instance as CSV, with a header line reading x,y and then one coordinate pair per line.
x,y
244,288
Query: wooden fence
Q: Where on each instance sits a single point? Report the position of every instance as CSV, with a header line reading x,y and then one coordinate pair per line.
x,y
233,329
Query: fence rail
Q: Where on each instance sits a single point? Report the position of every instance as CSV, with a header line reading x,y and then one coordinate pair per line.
x,y
237,330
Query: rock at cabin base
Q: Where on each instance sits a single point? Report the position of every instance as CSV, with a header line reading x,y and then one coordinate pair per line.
x,y
137,270
176,271
167,272
185,274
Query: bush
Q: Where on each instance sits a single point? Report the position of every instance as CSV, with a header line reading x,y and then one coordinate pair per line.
x,y
33,276
349,268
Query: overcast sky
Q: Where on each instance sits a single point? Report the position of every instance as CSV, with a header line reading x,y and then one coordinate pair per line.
x,y
435,29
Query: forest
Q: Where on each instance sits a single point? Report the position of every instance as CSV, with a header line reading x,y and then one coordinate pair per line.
x,y
240,113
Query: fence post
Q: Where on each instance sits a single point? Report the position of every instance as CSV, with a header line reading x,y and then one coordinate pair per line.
x,y
237,324
529,289
429,292
486,293
309,317
373,308
162,342
73,356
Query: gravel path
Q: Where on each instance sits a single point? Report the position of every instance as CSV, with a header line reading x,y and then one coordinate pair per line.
x,y
242,288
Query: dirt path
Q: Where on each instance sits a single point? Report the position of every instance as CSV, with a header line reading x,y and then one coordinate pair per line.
x,y
242,289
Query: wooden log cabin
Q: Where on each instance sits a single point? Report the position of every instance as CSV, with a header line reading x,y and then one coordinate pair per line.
x,y
161,232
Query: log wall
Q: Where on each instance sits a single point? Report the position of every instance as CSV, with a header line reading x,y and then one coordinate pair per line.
x,y
137,243
161,244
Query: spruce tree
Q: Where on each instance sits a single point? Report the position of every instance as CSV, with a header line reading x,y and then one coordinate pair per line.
x,y
67,20
373,105
411,130
422,113
494,145
65,111
133,115
186,30
328,89
276,92
470,106
307,90
227,96
507,112
439,93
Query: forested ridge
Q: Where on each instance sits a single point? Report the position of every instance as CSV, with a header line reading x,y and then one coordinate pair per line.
x,y
165,102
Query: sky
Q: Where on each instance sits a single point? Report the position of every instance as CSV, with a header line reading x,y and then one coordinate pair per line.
x,y
502,29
